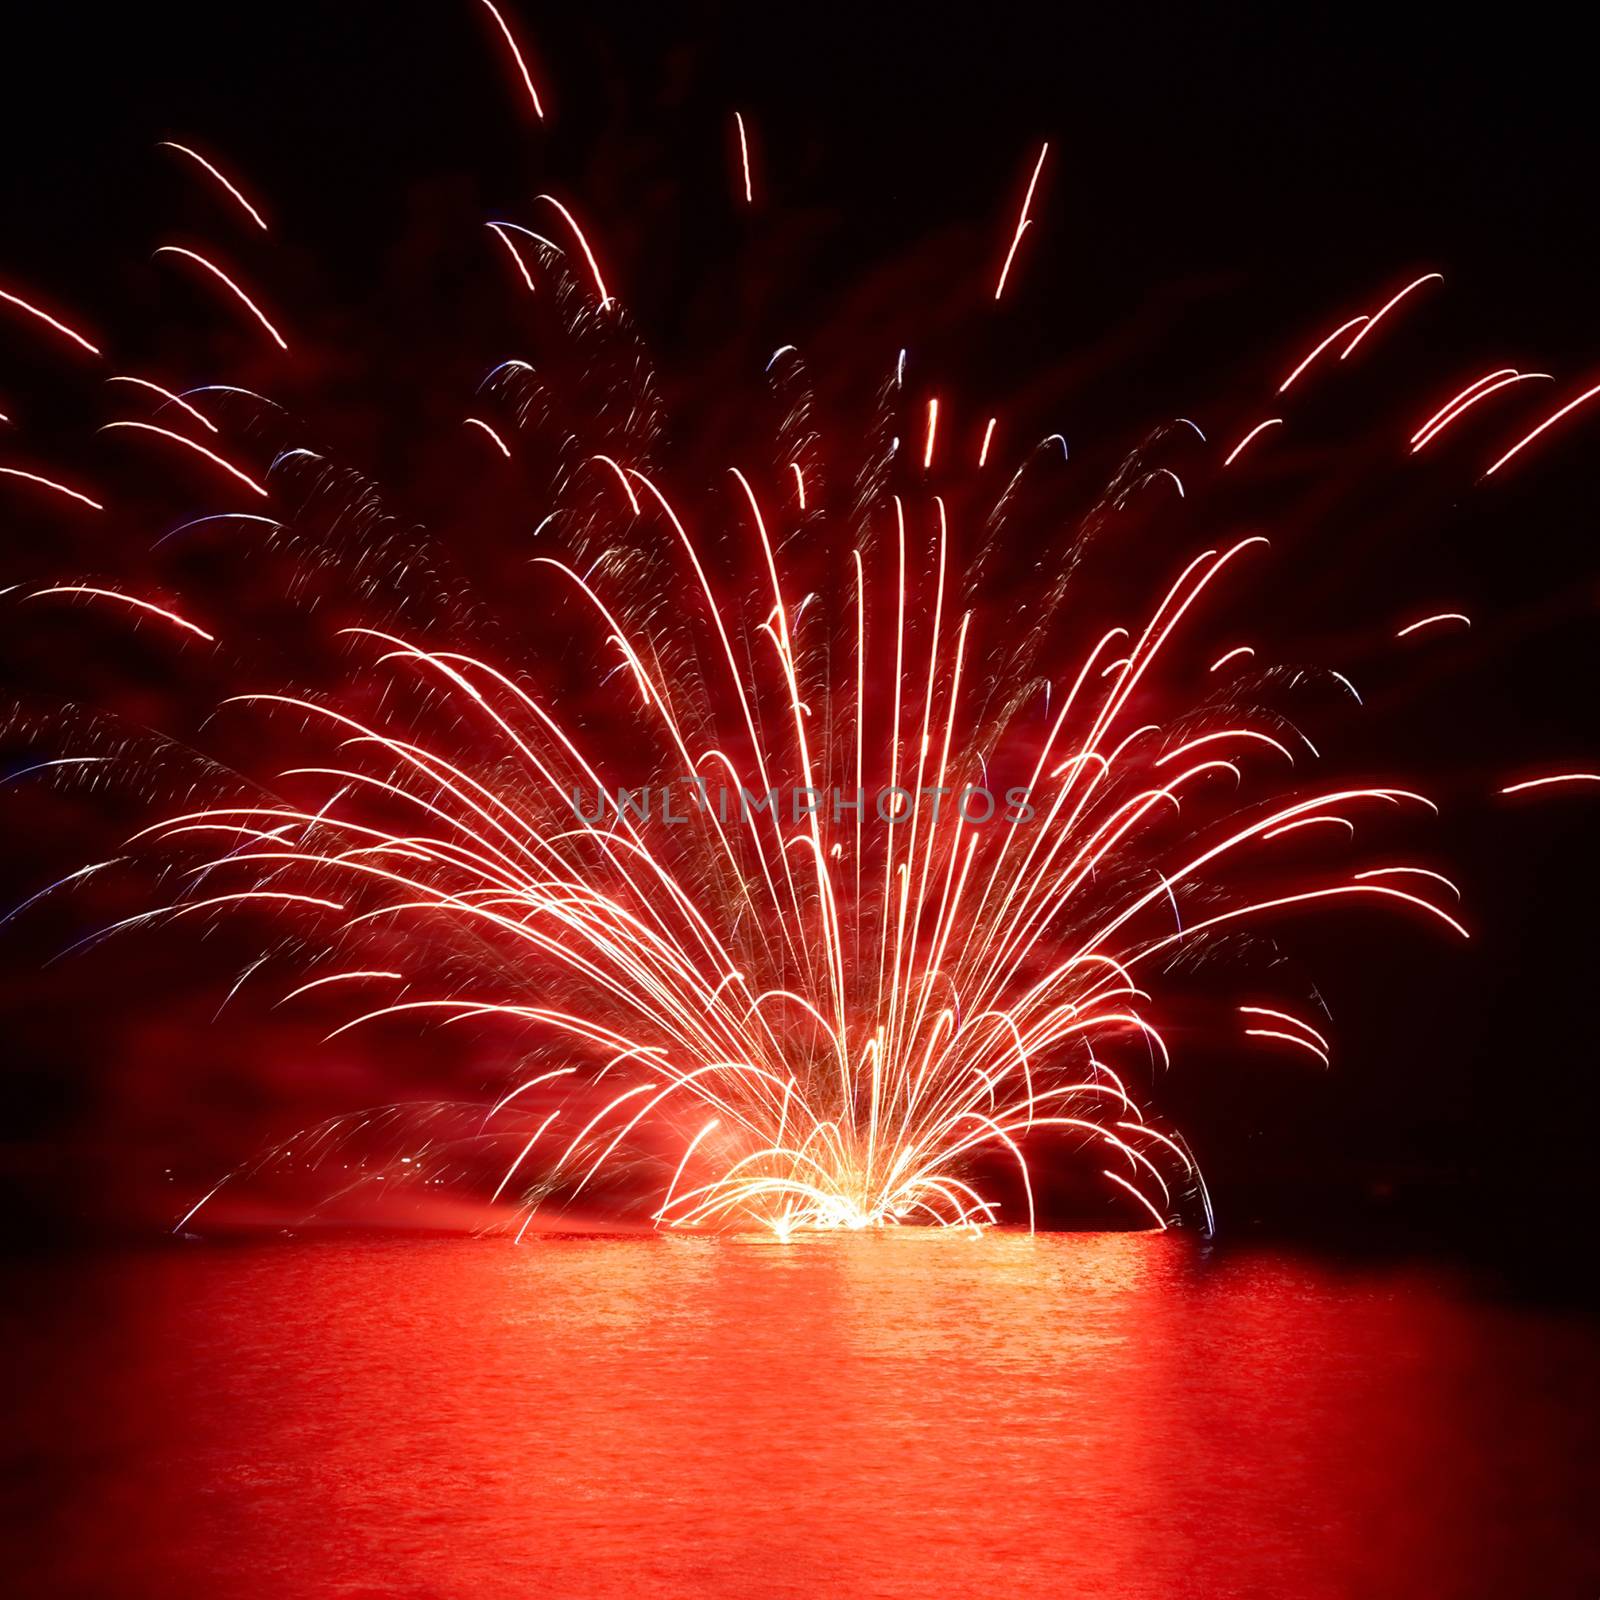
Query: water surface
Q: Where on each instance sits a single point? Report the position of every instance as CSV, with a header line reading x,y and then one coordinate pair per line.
x,y
897,1416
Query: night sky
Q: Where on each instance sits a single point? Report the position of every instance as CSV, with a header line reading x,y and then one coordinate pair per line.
x,y
1221,190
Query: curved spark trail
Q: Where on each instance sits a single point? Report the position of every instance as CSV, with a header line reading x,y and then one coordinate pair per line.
x,y
1490,383
189,444
744,157
516,56
52,485
148,606
1239,652
811,870
1384,310
227,283
1553,778
222,178
1024,222
988,439
583,244
49,321
500,444
173,399
1234,454
1317,349
1549,422
1433,621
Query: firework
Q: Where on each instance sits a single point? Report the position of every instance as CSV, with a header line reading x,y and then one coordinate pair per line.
x,y
808,888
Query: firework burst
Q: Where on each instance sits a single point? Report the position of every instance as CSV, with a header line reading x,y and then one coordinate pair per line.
x,y
815,877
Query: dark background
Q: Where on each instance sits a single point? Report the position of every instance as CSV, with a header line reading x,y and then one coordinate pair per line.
x,y
1223,187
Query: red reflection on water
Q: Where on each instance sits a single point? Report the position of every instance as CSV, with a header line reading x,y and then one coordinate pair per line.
x,y
868,1416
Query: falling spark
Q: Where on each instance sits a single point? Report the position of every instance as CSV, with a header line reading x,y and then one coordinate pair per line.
x,y
516,56
1290,1038
1444,411
622,478
988,435
933,428
1428,622
1549,422
76,876
583,244
1466,401
1233,454
1553,778
744,158
127,600
233,288
50,483
499,231
1285,1017
1388,306
190,444
1344,327
226,182
1232,655
1023,221
1414,872
337,977
218,516
1139,1195
500,444
1311,822
45,317
167,394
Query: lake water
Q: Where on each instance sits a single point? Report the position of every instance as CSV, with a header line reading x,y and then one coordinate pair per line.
x,y
887,1416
